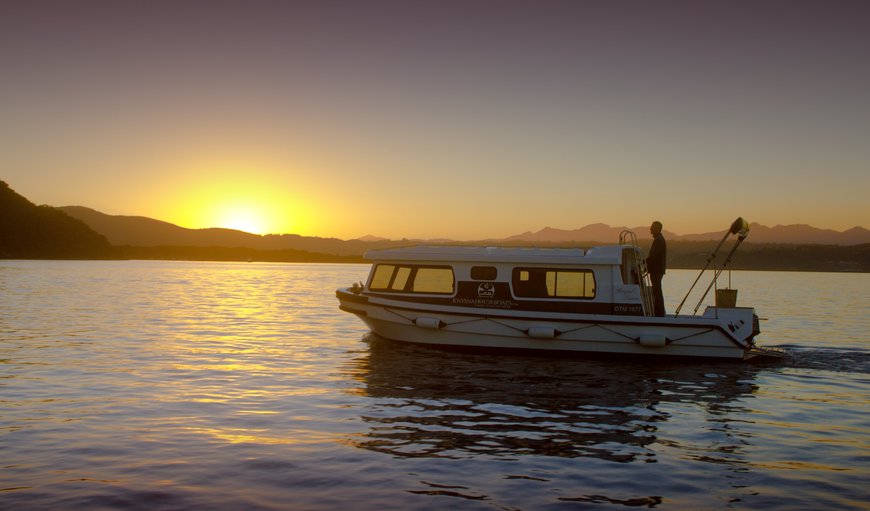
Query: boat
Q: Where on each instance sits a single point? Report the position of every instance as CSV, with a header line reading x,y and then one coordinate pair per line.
x,y
569,300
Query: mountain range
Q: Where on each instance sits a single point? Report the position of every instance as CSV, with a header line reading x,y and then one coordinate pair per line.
x,y
146,232
139,231
792,234
28,231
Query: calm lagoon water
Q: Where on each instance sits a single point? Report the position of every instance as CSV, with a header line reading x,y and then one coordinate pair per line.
x,y
176,385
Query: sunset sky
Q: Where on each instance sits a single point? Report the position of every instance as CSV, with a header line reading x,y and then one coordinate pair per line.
x,y
462,119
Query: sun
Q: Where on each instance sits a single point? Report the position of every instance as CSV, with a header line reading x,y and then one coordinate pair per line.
x,y
256,213
245,218
239,207
250,194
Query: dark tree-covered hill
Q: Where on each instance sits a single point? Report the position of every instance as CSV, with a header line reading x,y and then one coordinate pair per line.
x,y
28,231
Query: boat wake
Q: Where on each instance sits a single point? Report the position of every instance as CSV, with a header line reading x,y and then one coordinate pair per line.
x,y
808,357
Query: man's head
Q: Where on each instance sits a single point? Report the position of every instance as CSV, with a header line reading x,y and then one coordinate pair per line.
x,y
655,228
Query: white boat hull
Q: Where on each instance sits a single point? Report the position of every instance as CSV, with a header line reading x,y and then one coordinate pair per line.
x,y
719,333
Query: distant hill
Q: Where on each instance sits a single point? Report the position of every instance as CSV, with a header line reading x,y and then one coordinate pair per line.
x,y
370,237
593,232
800,234
28,231
144,238
146,232
791,234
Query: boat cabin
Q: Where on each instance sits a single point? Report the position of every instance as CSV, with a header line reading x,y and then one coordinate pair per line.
x,y
600,280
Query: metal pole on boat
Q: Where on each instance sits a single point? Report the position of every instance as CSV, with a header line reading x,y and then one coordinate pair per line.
x,y
738,225
724,265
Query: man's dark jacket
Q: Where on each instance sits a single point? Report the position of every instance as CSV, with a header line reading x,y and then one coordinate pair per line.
x,y
657,259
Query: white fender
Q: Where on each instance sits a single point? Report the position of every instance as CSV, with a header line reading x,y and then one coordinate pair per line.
x,y
542,332
430,323
653,340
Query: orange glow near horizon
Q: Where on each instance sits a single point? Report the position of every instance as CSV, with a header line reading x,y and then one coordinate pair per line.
x,y
224,195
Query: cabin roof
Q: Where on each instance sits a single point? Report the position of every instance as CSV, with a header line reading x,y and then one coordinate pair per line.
x,y
606,255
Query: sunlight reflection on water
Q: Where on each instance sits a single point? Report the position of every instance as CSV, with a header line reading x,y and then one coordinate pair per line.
x,y
172,385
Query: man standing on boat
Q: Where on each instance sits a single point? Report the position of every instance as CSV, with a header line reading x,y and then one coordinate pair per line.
x,y
655,263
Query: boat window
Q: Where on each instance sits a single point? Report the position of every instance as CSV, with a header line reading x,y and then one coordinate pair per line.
x,y
433,280
484,273
412,278
553,283
382,275
401,279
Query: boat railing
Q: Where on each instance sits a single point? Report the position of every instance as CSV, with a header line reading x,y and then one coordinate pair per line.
x,y
740,227
630,238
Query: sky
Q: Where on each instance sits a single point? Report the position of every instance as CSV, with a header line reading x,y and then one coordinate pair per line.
x,y
463,119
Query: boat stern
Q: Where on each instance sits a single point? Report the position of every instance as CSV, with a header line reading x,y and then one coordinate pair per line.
x,y
741,322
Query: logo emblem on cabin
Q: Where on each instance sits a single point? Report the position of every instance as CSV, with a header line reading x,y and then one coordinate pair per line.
x,y
486,290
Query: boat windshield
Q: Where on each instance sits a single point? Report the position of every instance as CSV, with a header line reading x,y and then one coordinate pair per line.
x,y
410,278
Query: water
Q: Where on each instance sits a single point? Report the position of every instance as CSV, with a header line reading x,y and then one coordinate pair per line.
x,y
176,385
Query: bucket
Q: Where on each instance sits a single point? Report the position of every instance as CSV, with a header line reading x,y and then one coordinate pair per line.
x,y
726,298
